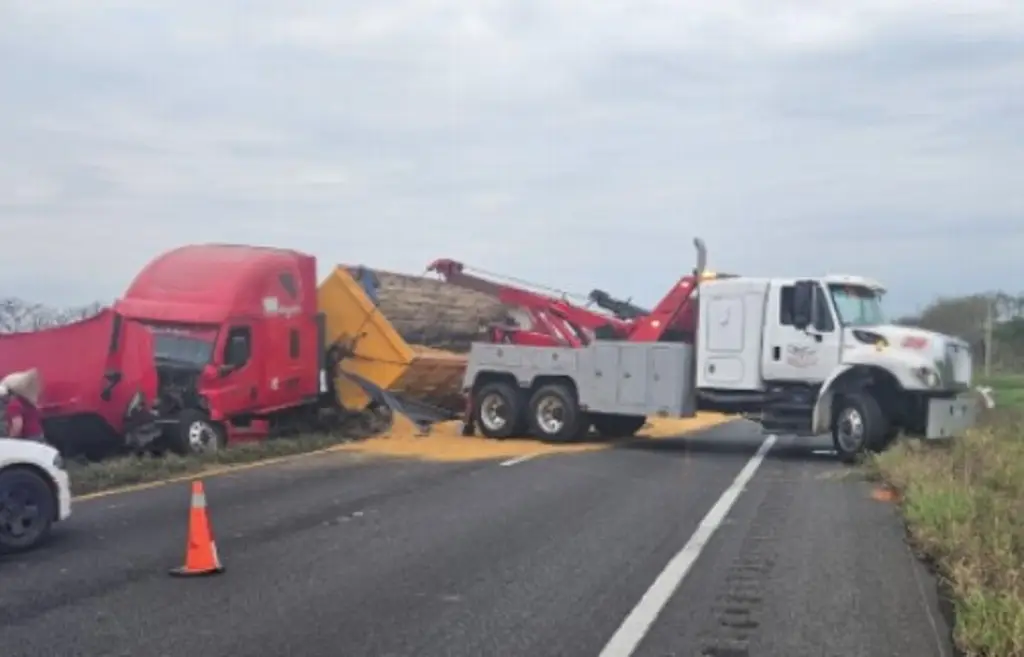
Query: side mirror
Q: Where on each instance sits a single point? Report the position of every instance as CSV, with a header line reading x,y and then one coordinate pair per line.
x,y
803,304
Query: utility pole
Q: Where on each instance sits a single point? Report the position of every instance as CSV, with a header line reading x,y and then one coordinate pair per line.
x,y
989,347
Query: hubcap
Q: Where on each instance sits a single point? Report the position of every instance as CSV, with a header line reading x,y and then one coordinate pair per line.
x,y
850,430
493,411
551,415
202,437
20,514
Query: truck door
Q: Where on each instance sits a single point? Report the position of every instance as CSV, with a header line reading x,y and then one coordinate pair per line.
x,y
792,354
238,387
290,376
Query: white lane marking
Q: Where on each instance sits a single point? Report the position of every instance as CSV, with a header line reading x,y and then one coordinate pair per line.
x,y
519,459
639,621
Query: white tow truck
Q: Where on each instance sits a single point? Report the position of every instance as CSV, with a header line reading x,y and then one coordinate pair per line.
x,y
800,356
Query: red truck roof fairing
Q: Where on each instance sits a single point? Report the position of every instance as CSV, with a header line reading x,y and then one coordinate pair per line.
x,y
210,283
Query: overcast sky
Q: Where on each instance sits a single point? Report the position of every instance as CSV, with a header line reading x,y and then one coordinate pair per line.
x,y
578,143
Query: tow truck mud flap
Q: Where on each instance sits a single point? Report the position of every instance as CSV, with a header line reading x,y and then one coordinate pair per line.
x,y
374,352
950,418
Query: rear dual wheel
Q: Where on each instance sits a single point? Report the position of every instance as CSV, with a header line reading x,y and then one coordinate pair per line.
x,y
555,415
498,410
551,413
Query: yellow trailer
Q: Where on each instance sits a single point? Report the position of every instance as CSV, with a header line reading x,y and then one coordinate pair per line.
x,y
373,350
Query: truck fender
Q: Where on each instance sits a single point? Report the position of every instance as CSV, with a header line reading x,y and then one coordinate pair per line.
x,y
822,414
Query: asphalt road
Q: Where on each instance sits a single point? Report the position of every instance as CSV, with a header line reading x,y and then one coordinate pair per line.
x,y
347,555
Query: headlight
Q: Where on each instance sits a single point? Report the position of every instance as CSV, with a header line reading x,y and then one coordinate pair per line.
x,y
58,461
928,376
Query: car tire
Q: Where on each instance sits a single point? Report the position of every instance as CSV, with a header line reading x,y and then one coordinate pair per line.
x,y
28,507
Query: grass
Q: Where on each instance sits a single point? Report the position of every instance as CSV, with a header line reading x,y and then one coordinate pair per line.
x,y
1009,389
93,477
964,507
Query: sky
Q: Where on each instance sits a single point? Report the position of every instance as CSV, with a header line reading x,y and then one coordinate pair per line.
x,y
574,143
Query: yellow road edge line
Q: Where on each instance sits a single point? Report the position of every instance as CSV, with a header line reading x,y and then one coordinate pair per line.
x,y
208,472
351,446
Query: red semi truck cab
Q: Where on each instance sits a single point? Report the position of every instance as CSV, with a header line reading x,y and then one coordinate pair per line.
x,y
235,335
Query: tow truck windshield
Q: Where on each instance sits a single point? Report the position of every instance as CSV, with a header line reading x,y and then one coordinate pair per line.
x,y
857,305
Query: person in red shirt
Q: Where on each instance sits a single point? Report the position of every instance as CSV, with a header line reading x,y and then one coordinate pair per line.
x,y
19,393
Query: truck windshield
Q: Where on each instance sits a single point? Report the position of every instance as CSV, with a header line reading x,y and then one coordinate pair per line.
x,y
182,348
857,305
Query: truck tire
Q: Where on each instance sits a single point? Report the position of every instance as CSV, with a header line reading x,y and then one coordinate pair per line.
x,y
859,426
28,507
498,410
197,434
617,426
555,414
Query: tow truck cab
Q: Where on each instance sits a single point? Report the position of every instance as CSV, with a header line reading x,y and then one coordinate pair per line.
x,y
235,336
796,346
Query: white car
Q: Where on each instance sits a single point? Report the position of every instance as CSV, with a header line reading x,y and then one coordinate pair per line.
x,y
35,493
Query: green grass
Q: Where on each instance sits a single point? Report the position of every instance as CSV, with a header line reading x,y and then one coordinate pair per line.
x,y
92,477
1009,389
964,507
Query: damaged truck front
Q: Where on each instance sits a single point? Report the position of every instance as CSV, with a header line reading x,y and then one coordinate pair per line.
x,y
96,374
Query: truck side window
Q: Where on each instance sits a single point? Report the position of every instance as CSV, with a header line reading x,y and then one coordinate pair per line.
x,y
288,283
823,315
786,305
293,343
238,347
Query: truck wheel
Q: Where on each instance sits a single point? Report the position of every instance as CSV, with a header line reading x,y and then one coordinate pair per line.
x,y
555,414
859,426
27,509
618,426
197,434
498,410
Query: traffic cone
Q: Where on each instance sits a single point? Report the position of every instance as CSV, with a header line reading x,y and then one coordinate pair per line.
x,y
201,551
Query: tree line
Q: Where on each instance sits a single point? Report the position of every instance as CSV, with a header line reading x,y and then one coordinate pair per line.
x,y
969,316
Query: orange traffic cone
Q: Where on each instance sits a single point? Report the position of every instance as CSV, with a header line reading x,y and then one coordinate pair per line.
x,y
201,552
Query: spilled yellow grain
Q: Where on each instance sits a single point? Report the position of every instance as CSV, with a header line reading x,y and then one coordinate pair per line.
x,y
663,427
445,442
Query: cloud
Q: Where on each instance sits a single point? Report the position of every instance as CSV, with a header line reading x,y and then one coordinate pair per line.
x,y
576,143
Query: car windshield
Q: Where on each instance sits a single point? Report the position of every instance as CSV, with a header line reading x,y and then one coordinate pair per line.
x,y
857,305
183,348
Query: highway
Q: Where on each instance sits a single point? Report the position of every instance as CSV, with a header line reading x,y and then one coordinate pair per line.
x,y
348,554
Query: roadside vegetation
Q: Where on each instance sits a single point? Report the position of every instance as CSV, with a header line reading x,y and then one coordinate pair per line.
x,y
964,507
91,477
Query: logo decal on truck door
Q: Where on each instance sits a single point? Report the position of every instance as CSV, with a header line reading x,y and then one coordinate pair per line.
x,y
801,355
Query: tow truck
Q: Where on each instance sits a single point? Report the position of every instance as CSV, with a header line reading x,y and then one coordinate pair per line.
x,y
801,356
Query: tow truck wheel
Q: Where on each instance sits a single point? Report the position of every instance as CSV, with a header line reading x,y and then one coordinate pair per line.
x,y
555,414
197,434
498,410
618,426
27,509
859,426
